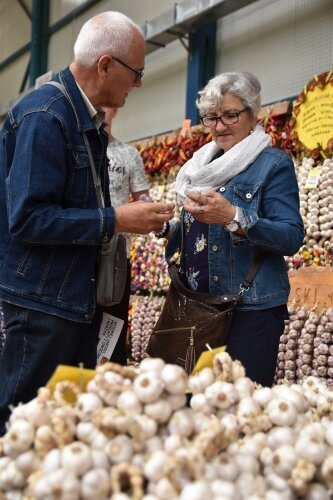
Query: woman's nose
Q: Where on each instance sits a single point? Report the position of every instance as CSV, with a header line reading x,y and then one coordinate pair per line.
x,y
220,125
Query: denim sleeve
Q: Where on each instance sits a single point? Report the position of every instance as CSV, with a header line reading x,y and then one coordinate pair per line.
x,y
37,187
276,224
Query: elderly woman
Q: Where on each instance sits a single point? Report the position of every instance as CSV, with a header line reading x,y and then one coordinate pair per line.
x,y
240,197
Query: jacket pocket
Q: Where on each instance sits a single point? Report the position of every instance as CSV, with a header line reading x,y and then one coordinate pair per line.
x,y
80,188
246,195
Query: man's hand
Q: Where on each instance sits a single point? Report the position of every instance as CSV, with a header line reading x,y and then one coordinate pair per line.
x,y
142,217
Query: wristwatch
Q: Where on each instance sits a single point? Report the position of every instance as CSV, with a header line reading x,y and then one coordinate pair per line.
x,y
234,224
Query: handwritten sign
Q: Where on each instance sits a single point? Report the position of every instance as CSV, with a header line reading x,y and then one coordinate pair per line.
x,y
312,286
314,122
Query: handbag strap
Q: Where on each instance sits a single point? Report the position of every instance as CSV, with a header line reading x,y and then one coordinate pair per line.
x,y
209,298
96,179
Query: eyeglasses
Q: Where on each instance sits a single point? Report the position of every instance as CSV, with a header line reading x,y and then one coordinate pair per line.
x,y
226,119
138,73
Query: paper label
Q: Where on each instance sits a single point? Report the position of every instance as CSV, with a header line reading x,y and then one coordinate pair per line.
x,y
313,178
108,336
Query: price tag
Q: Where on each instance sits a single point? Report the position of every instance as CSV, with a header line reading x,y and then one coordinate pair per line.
x,y
313,178
108,335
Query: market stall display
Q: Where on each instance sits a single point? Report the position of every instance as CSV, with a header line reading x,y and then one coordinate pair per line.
x,y
130,435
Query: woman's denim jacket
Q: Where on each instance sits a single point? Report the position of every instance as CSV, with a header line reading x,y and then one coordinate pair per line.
x,y
50,223
267,194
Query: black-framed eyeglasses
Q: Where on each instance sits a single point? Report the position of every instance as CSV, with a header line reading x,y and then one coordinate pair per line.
x,y
138,72
227,118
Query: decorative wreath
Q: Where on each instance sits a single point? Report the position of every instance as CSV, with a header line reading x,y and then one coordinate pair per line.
x,y
291,141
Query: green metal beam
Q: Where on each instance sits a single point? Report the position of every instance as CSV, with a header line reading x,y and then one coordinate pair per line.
x,y
39,39
14,56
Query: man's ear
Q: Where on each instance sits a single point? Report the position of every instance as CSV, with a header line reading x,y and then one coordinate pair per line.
x,y
104,64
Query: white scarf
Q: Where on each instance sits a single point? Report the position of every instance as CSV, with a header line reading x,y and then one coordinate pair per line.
x,y
200,174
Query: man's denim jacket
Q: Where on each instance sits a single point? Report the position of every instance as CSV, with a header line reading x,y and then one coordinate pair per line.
x,y
50,223
268,196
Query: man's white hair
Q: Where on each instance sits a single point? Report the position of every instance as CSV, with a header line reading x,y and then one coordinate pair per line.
x,y
106,33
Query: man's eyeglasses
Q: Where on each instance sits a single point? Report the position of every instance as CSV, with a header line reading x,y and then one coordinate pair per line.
x,y
226,119
138,73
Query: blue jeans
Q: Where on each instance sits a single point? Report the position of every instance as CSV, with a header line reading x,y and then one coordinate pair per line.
x,y
36,343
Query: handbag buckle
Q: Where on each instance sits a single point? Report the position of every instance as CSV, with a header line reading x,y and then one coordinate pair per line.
x,y
243,289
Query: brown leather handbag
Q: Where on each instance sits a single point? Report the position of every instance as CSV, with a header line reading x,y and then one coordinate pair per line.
x,y
191,320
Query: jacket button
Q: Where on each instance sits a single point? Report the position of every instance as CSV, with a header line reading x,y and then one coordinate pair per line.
x,y
87,317
215,278
222,189
215,248
248,196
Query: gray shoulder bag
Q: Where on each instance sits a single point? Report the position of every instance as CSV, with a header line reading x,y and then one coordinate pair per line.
x,y
112,257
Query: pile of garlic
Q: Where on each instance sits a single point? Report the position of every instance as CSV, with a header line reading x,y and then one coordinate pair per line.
x,y
306,346
316,204
143,315
131,435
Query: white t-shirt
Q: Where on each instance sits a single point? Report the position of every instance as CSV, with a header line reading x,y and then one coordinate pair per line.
x,y
126,174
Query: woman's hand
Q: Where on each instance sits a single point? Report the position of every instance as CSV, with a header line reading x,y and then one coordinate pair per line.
x,y
209,207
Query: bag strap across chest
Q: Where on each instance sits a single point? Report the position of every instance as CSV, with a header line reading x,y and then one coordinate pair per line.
x,y
209,298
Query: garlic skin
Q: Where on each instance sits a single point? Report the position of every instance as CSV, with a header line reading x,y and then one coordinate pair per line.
x,y
119,449
27,462
76,457
196,490
311,448
155,466
284,460
60,483
91,435
281,412
18,438
129,403
35,411
181,423
174,379
279,436
151,365
148,425
317,491
148,387
164,489
159,410
87,404
11,477
95,484
199,403
221,394
200,381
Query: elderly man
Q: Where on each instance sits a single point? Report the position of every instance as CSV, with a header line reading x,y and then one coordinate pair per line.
x,y
50,224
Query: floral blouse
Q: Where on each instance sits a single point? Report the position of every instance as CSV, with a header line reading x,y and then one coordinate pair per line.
x,y
195,271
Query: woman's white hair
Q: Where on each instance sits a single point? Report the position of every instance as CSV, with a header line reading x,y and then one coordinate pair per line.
x,y
243,85
106,33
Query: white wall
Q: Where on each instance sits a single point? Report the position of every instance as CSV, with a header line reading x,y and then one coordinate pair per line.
x,y
284,42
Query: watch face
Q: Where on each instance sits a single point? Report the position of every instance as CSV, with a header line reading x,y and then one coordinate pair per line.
x,y
232,226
